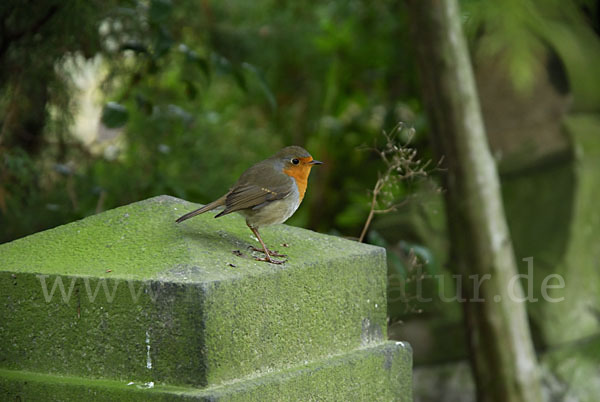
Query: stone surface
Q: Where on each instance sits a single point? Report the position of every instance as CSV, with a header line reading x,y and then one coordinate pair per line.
x,y
144,299
377,373
554,218
523,127
568,373
448,382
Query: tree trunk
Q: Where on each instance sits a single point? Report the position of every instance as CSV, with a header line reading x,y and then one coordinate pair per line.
x,y
504,362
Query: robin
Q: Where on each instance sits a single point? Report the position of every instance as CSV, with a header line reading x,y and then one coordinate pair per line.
x,y
267,193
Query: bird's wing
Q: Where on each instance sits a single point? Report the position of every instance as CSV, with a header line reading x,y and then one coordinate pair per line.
x,y
257,187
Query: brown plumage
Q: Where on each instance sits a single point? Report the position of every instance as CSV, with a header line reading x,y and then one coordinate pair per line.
x,y
269,192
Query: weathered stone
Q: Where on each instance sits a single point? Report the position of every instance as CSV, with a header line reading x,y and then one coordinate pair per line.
x,y
377,373
568,373
144,299
555,220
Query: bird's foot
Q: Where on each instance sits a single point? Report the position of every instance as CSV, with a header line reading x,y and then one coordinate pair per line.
x,y
269,259
273,253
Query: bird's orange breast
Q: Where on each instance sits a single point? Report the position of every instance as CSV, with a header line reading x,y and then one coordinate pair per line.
x,y
300,174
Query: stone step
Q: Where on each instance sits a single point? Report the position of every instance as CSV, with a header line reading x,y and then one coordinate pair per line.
x,y
145,299
377,373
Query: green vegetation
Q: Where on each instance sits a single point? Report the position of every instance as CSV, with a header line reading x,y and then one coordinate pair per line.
x,y
379,373
188,94
200,99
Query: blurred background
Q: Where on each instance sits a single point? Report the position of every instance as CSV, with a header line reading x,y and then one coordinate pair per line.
x,y
104,103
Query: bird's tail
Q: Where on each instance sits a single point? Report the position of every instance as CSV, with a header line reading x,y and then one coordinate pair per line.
x,y
208,207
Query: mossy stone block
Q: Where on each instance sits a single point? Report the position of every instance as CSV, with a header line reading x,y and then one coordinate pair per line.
x,y
376,373
146,299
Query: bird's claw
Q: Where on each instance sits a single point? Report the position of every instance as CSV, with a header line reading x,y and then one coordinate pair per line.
x,y
268,259
272,253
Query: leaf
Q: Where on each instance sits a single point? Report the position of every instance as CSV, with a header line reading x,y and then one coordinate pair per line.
x,y
114,115
393,260
222,65
63,169
143,103
190,89
193,58
163,42
179,113
423,253
160,10
204,67
262,83
240,79
137,47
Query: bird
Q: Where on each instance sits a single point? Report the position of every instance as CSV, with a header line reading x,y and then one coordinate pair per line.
x,y
267,193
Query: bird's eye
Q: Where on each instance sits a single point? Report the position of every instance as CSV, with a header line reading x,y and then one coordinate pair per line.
x,y
295,161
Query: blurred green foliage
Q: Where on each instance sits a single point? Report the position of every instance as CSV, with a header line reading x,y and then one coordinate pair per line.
x,y
521,31
204,89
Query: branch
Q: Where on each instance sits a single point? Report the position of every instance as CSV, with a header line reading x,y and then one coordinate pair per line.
x,y
7,38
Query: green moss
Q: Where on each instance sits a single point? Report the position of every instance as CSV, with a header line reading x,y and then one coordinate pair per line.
x,y
105,337
142,241
288,318
377,373
171,288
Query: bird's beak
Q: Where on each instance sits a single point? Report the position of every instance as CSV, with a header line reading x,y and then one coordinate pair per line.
x,y
314,162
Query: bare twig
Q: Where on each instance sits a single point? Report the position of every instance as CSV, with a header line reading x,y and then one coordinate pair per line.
x,y
401,164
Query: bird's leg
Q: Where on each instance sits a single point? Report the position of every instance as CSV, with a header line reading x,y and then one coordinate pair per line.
x,y
270,253
265,250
